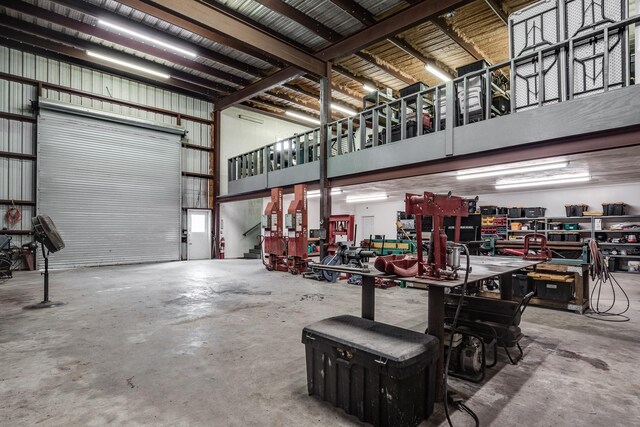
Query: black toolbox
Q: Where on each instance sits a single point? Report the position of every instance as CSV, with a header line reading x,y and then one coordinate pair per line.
x,y
382,374
521,284
554,291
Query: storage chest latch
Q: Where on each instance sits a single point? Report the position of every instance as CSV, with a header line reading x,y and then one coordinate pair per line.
x,y
382,360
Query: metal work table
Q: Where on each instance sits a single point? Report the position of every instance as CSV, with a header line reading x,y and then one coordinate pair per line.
x,y
482,268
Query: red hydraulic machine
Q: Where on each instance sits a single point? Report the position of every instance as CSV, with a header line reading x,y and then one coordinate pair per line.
x,y
296,224
274,257
442,262
340,225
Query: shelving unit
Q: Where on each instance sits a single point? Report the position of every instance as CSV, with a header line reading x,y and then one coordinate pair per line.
x,y
310,240
588,231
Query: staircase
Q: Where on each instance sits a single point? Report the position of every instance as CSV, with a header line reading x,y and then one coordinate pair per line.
x,y
253,253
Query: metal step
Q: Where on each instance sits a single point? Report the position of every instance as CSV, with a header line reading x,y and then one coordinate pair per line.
x,y
251,256
254,251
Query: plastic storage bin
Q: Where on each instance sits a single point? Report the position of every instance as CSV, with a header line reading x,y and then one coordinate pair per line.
x,y
489,210
572,237
575,210
571,226
521,284
382,374
534,212
516,212
614,208
555,237
554,291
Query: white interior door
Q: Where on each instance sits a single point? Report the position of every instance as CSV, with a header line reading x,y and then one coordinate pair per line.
x,y
367,227
198,234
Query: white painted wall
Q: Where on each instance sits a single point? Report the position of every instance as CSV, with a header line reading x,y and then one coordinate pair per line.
x,y
552,199
237,136
236,218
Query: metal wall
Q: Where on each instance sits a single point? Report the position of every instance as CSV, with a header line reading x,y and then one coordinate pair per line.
x,y
17,136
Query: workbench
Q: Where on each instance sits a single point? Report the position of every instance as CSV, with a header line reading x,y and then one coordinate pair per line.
x,y
482,268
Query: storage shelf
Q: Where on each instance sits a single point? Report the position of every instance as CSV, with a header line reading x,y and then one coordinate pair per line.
x,y
623,256
628,230
617,244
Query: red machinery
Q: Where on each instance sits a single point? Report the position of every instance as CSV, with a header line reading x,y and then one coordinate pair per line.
x,y
296,224
274,247
442,262
340,225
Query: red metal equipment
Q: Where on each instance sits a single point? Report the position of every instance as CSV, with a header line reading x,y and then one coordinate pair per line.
x,y
529,252
340,225
437,206
296,224
274,246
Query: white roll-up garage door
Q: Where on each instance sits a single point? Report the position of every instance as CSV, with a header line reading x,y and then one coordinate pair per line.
x,y
112,188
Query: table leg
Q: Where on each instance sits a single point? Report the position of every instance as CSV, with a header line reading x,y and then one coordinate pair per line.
x,y
435,324
368,297
506,286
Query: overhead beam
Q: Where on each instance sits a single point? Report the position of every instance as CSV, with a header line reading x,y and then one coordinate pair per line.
x,y
356,11
238,35
450,32
100,13
48,48
394,24
406,47
497,9
301,18
387,68
83,46
116,38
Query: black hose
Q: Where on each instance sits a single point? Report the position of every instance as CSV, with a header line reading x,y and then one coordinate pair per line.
x,y
601,274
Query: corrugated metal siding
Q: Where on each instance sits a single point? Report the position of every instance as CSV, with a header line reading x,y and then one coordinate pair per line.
x,y
112,189
16,176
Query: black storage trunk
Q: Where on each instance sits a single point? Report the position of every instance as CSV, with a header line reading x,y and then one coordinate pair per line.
x,y
516,212
502,211
572,237
382,374
534,212
554,291
521,284
555,237
414,88
614,209
489,210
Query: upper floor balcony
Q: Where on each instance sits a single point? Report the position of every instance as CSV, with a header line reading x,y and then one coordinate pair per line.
x,y
573,89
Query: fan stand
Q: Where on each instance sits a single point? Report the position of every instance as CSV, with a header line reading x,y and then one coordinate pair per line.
x,y
45,303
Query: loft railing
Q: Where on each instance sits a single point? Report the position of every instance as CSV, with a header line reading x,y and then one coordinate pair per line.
x,y
556,73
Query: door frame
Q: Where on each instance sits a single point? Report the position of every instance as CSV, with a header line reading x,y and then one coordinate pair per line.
x,y
208,223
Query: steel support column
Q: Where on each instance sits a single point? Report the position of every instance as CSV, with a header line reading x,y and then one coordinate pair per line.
x,y
214,186
325,191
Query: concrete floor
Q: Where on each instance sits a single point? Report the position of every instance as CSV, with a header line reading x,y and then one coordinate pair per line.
x,y
217,343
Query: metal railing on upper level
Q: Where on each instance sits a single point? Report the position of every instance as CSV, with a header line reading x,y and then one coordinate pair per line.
x,y
594,62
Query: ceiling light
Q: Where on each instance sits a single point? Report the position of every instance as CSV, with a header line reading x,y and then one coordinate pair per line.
x,y
368,87
302,117
342,109
128,65
250,119
547,180
437,72
367,198
475,173
147,38
316,193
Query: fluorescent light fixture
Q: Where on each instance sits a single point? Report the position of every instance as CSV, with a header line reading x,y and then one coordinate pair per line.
x,y
437,72
547,180
250,119
475,173
367,198
302,117
128,65
141,36
368,88
316,193
342,109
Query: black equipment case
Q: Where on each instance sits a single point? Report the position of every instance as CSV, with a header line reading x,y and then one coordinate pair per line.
x,y
382,374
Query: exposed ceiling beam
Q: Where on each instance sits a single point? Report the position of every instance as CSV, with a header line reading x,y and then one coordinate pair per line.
x,y
275,79
403,45
84,46
98,12
444,26
394,24
127,42
354,95
301,18
386,67
238,34
355,10
497,9
360,79
50,49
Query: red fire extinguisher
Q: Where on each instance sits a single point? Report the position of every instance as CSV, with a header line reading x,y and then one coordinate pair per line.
x,y
222,248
